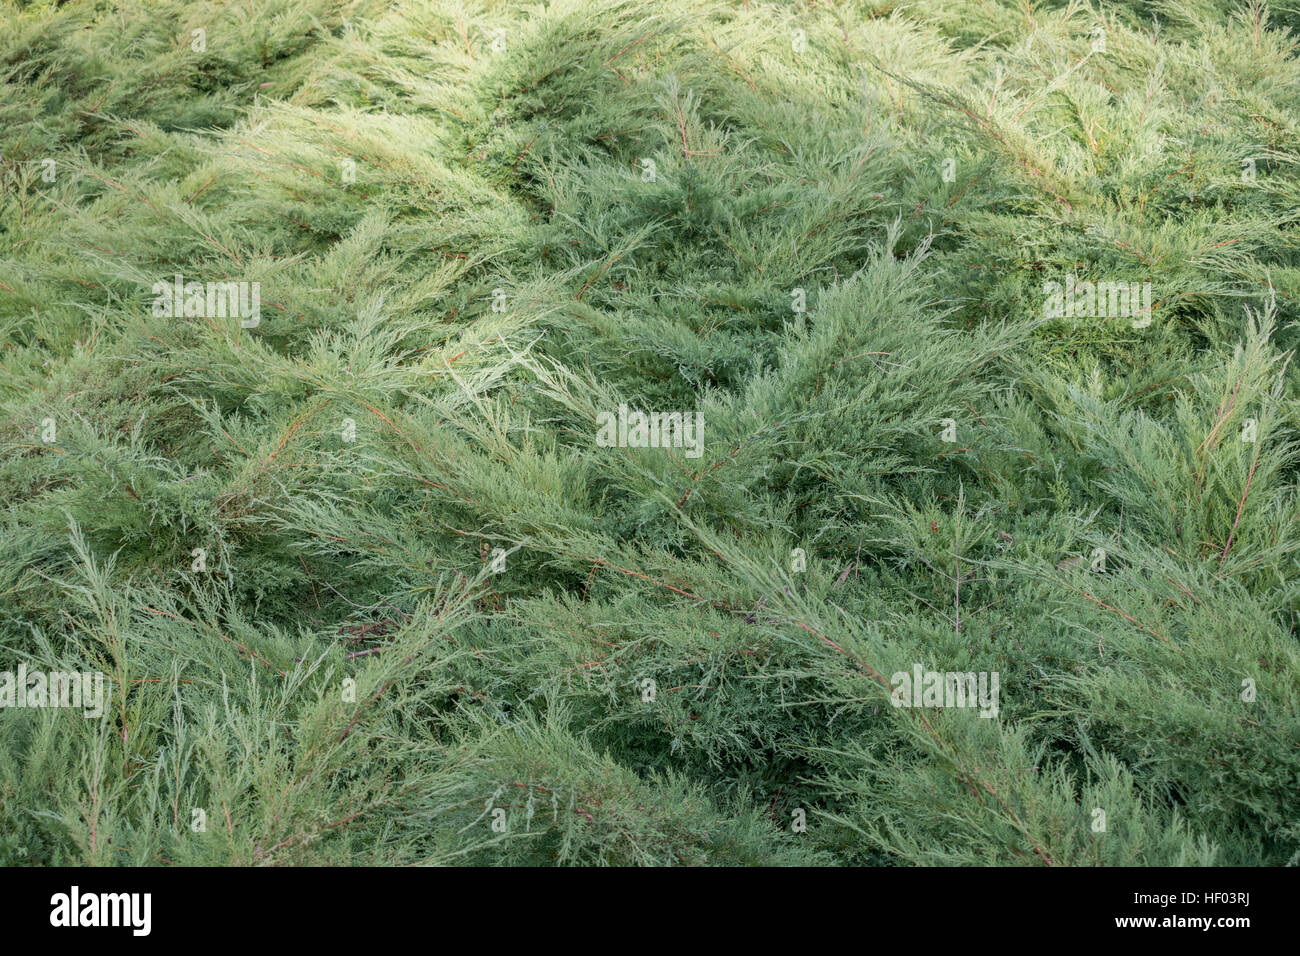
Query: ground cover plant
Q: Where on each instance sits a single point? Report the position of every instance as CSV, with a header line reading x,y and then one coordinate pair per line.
x,y
967,531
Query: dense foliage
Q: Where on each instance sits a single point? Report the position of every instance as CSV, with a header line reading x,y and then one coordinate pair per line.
x,y
360,575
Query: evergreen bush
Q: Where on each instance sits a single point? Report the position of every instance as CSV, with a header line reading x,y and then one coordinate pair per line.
x,y
983,312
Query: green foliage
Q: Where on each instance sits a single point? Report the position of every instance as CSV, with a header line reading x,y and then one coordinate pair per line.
x,y
281,543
